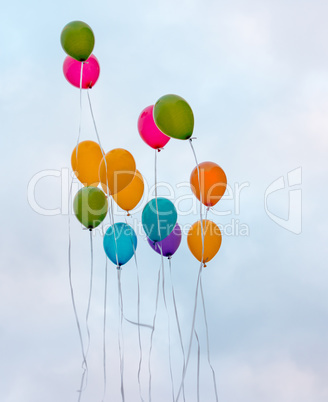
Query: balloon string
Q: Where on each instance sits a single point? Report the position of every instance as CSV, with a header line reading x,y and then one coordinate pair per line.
x,y
104,331
163,278
178,325
168,323
156,178
112,222
208,342
90,295
138,317
151,337
120,331
95,126
157,215
152,334
111,219
140,324
80,122
192,333
200,198
198,365
84,361
98,137
199,272
206,212
138,281
110,214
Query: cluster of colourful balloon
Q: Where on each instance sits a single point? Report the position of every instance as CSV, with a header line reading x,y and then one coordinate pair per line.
x,y
81,67
118,177
172,117
116,173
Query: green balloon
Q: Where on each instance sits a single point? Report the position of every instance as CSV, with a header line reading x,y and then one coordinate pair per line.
x,y
90,206
174,117
77,39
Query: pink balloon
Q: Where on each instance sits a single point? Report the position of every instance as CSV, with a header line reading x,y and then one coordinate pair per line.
x,y
148,130
90,74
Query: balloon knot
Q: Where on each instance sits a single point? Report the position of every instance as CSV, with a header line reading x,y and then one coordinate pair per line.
x,y
192,138
204,266
118,268
169,257
128,213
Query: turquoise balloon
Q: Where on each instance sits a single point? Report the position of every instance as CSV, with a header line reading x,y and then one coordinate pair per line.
x,y
121,247
166,217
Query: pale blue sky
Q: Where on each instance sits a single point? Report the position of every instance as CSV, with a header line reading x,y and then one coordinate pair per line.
x,y
255,74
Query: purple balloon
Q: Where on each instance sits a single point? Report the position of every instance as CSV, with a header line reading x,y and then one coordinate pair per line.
x,y
170,244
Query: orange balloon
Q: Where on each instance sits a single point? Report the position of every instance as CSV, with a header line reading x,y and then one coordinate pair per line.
x,y
86,165
129,197
212,240
213,183
121,168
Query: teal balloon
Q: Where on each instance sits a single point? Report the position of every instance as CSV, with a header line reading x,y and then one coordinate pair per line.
x,y
90,206
174,117
166,218
77,39
120,243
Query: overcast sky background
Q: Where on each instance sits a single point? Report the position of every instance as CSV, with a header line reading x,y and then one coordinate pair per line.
x,y
256,75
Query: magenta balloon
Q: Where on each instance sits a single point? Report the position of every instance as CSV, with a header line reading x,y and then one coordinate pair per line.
x,y
148,130
90,74
170,244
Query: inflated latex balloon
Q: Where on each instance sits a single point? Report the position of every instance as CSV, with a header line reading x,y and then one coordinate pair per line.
x,y
170,244
174,117
130,196
212,240
148,130
90,71
159,225
121,168
90,206
77,39
213,183
120,243
86,165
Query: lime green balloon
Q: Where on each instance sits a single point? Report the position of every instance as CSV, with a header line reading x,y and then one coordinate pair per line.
x,y
90,206
77,39
174,117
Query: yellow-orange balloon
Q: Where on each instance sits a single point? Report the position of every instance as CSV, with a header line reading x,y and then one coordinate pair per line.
x,y
131,195
121,168
212,240
213,183
86,165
